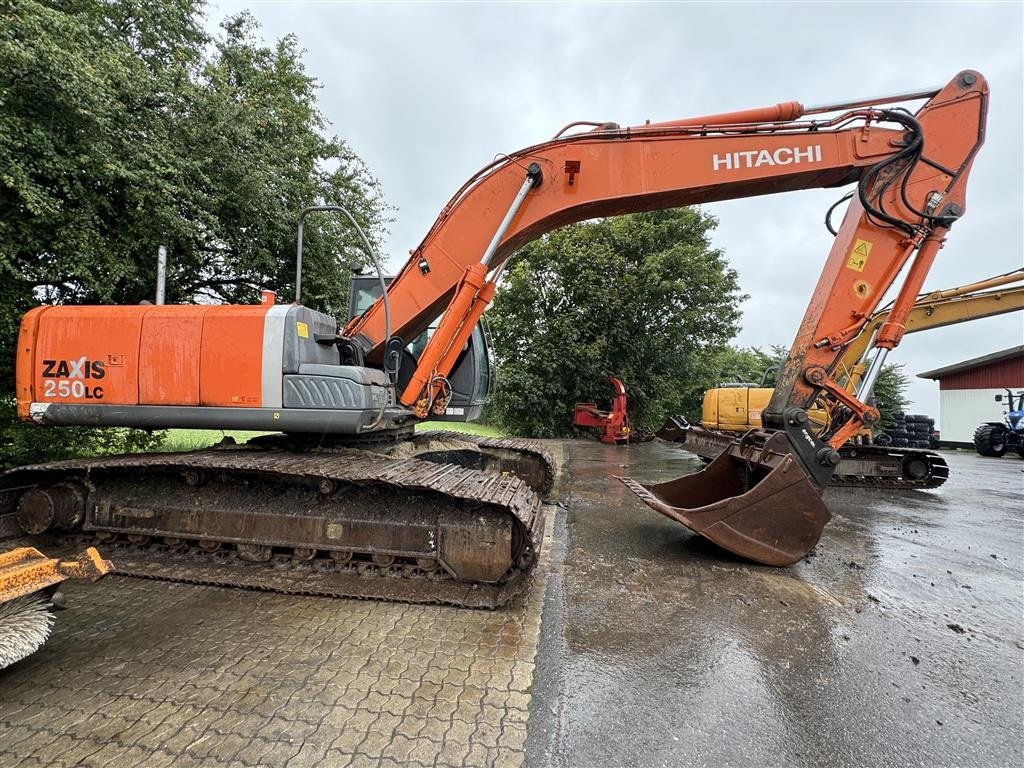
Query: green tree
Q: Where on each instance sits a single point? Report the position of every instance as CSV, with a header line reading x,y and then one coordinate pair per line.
x,y
745,364
119,132
728,364
124,126
644,297
890,393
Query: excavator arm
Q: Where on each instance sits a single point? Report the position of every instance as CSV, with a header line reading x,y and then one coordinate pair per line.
x,y
737,408
730,411
911,173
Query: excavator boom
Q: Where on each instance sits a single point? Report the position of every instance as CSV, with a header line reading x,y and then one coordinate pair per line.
x,y
974,301
761,498
612,171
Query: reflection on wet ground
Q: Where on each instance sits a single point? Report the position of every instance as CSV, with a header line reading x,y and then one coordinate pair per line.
x,y
898,641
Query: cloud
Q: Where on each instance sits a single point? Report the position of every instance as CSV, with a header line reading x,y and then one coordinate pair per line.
x,y
428,93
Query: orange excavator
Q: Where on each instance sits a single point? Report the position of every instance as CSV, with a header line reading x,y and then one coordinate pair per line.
x,y
348,501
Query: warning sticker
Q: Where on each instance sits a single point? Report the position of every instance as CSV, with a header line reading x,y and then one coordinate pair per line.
x,y
859,255
303,330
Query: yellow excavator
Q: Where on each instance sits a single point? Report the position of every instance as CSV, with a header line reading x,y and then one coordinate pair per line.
x,y
735,407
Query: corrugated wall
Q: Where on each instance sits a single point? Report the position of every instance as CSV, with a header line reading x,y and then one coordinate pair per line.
x,y
962,410
1005,373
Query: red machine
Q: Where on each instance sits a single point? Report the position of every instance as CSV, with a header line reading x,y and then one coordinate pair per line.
x,y
614,424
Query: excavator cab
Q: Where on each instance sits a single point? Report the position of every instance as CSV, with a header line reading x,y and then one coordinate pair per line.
x,y
472,378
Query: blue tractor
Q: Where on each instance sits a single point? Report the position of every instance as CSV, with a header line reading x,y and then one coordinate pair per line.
x,y
994,438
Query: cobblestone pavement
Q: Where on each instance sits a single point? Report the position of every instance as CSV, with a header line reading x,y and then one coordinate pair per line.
x,y
150,674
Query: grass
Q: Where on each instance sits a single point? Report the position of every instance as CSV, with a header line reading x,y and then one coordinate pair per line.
x,y
195,439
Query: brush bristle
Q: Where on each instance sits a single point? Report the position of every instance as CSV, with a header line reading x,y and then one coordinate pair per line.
x,y
25,624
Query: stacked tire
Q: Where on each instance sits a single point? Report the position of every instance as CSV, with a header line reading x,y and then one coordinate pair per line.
x,y
911,430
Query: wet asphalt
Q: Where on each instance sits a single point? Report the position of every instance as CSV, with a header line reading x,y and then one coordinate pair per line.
x,y
898,642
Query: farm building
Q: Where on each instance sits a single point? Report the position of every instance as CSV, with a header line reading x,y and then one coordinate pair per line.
x,y
967,392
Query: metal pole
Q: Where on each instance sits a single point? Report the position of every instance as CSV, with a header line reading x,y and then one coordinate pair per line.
x,y
161,274
873,101
298,257
533,177
867,384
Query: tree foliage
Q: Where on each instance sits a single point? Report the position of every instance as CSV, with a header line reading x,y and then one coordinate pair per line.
x,y
22,445
644,297
124,126
890,392
742,364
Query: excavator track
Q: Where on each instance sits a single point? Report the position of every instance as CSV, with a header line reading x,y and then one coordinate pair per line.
x,y
525,458
341,522
932,469
861,466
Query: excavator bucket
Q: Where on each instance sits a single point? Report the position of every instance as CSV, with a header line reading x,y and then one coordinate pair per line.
x,y
770,513
673,430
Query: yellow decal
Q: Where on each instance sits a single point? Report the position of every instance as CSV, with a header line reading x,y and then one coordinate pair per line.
x,y
859,255
303,329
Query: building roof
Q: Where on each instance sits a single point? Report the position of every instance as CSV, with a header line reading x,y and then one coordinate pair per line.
x,y
974,362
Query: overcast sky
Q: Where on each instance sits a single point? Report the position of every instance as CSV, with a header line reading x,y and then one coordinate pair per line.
x,y
428,93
